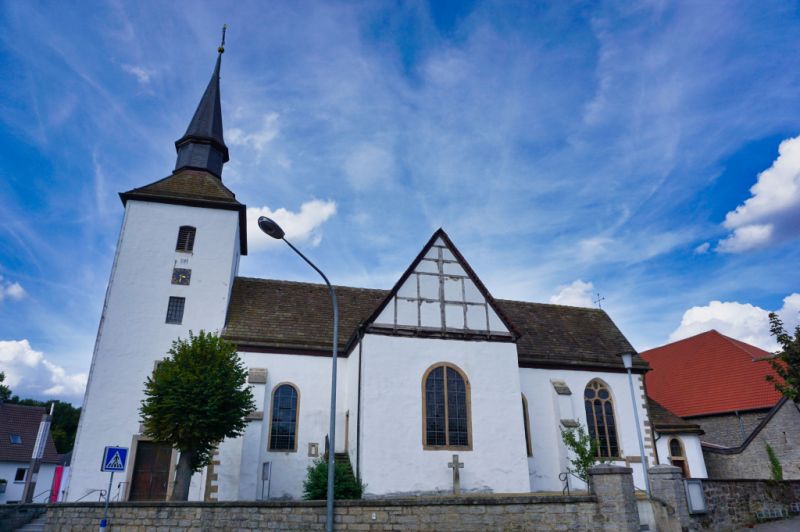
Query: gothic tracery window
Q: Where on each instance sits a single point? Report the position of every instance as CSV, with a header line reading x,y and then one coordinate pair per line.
x,y
446,408
600,418
283,424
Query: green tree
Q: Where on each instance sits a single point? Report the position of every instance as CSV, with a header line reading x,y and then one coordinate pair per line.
x,y
345,483
785,363
584,450
196,398
5,391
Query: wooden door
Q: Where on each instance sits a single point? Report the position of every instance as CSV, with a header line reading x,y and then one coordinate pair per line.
x,y
150,472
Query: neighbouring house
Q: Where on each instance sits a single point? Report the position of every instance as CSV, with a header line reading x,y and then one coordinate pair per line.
x,y
719,383
677,441
431,367
19,426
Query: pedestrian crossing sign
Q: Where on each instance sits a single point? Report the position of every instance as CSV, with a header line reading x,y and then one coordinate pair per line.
x,y
114,459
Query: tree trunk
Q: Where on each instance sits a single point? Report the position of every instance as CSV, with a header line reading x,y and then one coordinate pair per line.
x,y
183,476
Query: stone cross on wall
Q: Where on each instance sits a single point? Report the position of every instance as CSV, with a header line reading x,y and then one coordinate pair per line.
x,y
455,465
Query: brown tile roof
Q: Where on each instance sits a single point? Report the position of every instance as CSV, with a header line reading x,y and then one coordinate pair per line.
x,y
291,315
187,184
558,335
279,315
23,421
665,421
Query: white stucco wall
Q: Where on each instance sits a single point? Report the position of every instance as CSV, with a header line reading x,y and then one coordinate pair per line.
x,y
14,490
393,460
311,375
546,411
133,334
692,448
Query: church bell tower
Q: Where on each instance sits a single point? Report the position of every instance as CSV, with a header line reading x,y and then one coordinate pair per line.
x,y
176,258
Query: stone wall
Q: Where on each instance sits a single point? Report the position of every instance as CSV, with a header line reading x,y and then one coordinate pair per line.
x,y
423,513
783,434
733,504
611,507
730,429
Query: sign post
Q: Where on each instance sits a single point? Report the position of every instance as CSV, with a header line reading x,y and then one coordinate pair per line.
x,y
114,459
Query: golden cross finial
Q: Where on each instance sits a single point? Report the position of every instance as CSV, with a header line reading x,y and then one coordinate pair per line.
x,y
221,48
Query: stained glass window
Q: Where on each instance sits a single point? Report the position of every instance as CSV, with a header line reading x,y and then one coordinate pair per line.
x,y
446,408
283,430
600,419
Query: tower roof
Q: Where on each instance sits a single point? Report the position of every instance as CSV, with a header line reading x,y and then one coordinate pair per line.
x,y
203,147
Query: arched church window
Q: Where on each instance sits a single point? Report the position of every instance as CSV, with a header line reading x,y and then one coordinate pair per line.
x,y
527,422
185,238
600,418
283,424
446,408
677,457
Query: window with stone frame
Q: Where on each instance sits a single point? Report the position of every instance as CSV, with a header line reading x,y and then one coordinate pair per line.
x,y
600,419
283,419
677,456
446,408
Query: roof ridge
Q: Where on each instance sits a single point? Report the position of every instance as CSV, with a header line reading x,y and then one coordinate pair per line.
x,y
551,305
684,340
307,283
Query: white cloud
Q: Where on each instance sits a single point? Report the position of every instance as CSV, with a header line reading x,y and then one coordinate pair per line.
x,y
303,226
770,214
30,374
11,290
702,248
142,74
258,139
742,321
369,165
577,294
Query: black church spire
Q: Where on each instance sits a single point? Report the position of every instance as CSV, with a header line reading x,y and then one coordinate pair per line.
x,y
203,147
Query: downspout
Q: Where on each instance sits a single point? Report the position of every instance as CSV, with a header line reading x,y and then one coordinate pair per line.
x,y
358,405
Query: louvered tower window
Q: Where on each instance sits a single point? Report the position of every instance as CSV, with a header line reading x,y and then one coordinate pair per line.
x,y
185,238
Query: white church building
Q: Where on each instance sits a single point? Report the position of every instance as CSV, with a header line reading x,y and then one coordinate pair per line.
x,y
429,368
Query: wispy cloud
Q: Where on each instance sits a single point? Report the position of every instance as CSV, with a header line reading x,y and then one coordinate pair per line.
x,y
141,73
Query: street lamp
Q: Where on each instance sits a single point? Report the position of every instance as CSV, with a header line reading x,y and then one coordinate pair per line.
x,y
627,361
274,230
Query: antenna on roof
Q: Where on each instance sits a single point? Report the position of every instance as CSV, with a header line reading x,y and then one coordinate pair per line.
x,y
598,299
221,48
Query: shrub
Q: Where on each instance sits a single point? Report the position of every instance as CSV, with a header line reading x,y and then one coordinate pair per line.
x,y
775,468
584,450
345,484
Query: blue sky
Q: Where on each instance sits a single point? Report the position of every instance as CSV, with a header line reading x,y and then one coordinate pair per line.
x,y
568,148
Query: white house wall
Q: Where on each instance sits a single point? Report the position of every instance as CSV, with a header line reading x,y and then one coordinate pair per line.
x,y
549,456
44,482
692,448
393,460
311,375
133,334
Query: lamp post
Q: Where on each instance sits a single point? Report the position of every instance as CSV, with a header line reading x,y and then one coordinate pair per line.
x,y
627,360
274,230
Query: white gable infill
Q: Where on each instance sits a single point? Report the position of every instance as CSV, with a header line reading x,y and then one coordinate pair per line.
x,y
439,295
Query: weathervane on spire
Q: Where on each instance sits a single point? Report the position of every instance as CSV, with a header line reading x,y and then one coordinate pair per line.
x,y
598,300
221,48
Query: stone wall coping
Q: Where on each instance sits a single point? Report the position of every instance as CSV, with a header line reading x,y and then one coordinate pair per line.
x,y
610,469
483,499
664,469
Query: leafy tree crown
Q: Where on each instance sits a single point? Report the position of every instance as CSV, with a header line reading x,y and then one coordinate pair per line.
x,y
786,363
197,397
